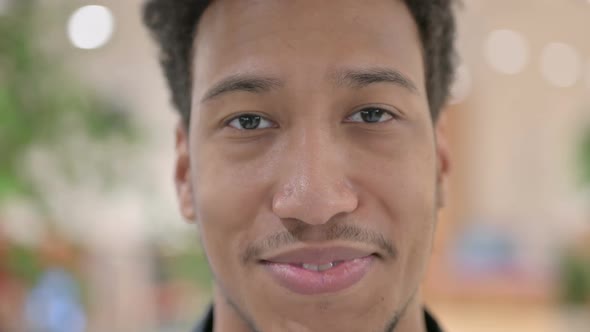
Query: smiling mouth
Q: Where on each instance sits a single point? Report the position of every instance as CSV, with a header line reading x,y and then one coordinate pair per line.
x,y
310,271
319,268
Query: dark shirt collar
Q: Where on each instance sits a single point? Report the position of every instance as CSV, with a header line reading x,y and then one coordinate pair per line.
x,y
206,325
431,323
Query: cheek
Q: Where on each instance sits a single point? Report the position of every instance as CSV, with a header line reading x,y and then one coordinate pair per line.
x,y
230,196
415,201
408,204
399,183
400,175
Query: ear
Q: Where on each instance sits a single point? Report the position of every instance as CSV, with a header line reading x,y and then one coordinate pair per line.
x,y
443,157
182,174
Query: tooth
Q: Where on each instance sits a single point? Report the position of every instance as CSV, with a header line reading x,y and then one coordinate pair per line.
x,y
310,267
318,268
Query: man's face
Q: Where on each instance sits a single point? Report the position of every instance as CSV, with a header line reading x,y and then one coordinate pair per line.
x,y
311,165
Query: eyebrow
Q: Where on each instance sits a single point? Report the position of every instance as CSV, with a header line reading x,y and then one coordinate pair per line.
x,y
360,78
242,82
352,78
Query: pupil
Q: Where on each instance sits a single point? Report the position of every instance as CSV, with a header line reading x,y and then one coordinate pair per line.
x,y
371,116
249,121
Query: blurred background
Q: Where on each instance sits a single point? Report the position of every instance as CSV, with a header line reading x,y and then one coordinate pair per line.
x,y
91,238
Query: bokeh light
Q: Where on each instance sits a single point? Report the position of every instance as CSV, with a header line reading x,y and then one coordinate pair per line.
x,y
91,27
560,64
88,209
462,86
506,51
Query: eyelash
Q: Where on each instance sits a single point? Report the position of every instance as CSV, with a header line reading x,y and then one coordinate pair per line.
x,y
237,117
393,116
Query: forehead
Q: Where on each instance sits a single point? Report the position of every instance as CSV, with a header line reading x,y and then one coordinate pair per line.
x,y
303,40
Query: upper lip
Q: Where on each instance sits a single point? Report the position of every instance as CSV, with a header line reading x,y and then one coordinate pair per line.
x,y
317,256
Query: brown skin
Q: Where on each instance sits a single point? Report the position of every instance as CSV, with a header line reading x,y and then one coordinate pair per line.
x,y
316,167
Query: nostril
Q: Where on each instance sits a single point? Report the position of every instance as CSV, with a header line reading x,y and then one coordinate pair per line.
x,y
314,205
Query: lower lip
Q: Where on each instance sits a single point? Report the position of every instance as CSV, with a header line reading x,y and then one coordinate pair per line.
x,y
306,282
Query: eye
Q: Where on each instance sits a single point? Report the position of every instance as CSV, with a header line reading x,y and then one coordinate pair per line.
x,y
370,115
250,122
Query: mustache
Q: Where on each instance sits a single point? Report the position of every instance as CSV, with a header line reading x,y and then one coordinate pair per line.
x,y
350,233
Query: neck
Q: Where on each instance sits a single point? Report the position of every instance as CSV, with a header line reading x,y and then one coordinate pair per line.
x,y
412,320
227,318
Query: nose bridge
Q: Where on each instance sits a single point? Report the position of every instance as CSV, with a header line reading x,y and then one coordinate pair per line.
x,y
312,162
314,185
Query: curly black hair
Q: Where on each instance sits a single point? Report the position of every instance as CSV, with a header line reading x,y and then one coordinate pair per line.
x,y
173,25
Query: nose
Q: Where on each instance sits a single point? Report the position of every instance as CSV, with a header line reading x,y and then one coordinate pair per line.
x,y
313,183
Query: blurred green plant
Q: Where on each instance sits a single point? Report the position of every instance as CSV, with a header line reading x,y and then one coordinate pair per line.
x,y
575,276
584,157
575,262
44,107
190,265
40,103
23,263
